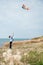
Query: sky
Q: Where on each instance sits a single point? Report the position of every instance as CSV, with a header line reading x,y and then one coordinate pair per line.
x,y
24,24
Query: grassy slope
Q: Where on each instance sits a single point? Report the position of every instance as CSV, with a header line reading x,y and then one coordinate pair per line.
x,y
31,51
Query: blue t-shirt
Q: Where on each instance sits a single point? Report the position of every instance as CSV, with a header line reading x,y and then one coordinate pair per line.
x,y
11,39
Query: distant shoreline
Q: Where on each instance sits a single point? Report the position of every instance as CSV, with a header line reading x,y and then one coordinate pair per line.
x,y
4,40
33,40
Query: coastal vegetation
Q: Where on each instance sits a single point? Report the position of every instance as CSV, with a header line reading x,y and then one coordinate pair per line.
x,y
31,52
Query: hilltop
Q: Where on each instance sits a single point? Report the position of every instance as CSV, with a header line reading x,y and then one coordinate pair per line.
x,y
31,51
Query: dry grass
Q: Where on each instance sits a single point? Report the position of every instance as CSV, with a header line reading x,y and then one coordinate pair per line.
x,y
31,51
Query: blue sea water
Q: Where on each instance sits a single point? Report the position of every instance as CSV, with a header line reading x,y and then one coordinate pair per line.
x,y
4,40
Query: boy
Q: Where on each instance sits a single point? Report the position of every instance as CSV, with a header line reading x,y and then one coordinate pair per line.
x,y
11,37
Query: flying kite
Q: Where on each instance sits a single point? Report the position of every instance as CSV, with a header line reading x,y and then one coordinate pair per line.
x,y
25,7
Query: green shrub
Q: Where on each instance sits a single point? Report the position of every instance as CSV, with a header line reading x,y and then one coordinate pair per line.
x,y
33,58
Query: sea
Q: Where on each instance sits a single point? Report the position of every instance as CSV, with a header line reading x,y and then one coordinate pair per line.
x,y
4,40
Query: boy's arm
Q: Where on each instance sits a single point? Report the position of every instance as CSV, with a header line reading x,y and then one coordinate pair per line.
x,y
13,35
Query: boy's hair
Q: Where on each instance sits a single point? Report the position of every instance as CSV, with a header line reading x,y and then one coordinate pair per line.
x,y
9,36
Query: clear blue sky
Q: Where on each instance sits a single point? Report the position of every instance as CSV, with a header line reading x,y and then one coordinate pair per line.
x,y
24,24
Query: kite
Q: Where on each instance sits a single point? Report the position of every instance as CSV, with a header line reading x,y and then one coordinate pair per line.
x,y
25,7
